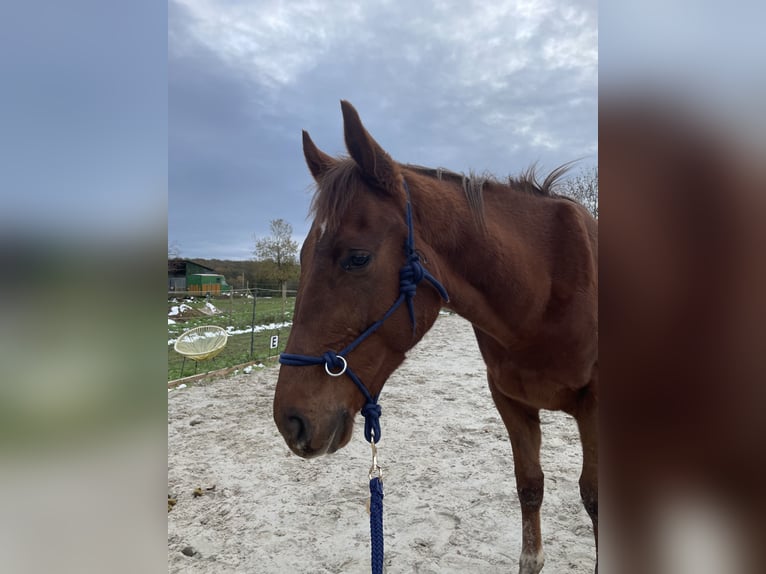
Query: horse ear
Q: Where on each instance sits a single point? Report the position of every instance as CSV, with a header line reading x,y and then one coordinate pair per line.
x,y
375,163
318,161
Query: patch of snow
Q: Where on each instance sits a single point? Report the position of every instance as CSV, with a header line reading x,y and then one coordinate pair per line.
x,y
259,328
171,322
178,309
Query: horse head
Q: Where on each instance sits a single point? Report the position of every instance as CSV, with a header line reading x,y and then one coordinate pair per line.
x,y
356,262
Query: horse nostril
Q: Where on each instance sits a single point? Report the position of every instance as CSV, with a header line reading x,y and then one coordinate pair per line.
x,y
297,430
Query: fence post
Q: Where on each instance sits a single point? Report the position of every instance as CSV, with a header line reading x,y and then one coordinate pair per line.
x,y
284,299
252,325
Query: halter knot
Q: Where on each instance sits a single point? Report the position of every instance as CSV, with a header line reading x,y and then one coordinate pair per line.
x,y
371,413
410,275
332,361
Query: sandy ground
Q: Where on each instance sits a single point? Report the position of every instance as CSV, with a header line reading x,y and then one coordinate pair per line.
x,y
450,500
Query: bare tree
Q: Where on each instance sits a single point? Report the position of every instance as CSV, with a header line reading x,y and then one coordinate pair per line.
x,y
174,251
280,250
584,188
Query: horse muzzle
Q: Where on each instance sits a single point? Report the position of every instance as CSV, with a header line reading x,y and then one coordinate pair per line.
x,y
312,438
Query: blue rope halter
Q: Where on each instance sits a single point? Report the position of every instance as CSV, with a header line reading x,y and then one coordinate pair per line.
x,y
336,364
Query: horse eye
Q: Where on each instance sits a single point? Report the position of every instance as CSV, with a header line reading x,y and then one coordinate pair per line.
x,y
355,261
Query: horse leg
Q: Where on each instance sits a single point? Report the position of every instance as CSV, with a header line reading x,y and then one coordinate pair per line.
x,y
523,425
587,422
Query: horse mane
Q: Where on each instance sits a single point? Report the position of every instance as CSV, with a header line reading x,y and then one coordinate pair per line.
x,y
341,182
473,184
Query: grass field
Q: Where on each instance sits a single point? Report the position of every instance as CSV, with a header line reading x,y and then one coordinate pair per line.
x,y
236,315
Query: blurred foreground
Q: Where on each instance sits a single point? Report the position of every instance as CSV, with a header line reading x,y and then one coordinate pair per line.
x,y
82,405
683,339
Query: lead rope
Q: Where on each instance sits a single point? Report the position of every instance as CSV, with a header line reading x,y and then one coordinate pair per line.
x,y
376,513
336,365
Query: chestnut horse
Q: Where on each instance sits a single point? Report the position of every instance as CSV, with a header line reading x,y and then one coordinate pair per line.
x,y
517,260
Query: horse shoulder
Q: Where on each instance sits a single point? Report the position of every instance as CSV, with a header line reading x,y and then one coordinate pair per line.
x,y
573,253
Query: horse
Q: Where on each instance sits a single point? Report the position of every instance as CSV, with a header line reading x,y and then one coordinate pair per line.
x,y
513,257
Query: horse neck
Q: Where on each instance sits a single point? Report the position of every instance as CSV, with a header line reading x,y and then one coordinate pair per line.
x,y
499,278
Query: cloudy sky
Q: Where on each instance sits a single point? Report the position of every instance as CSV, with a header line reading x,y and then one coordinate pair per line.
x,y
464,85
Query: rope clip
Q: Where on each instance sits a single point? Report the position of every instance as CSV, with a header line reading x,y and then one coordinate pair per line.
x,y
375,470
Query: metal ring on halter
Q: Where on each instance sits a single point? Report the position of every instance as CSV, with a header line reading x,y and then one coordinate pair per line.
x,y
338,374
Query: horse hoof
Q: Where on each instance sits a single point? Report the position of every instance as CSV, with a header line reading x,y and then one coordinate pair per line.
x,y
531,563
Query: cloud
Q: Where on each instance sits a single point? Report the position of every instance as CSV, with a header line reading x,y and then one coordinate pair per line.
x,y
463,85
479,43
273,41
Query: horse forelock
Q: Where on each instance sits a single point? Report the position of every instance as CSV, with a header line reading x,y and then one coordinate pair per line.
x,y
336,191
